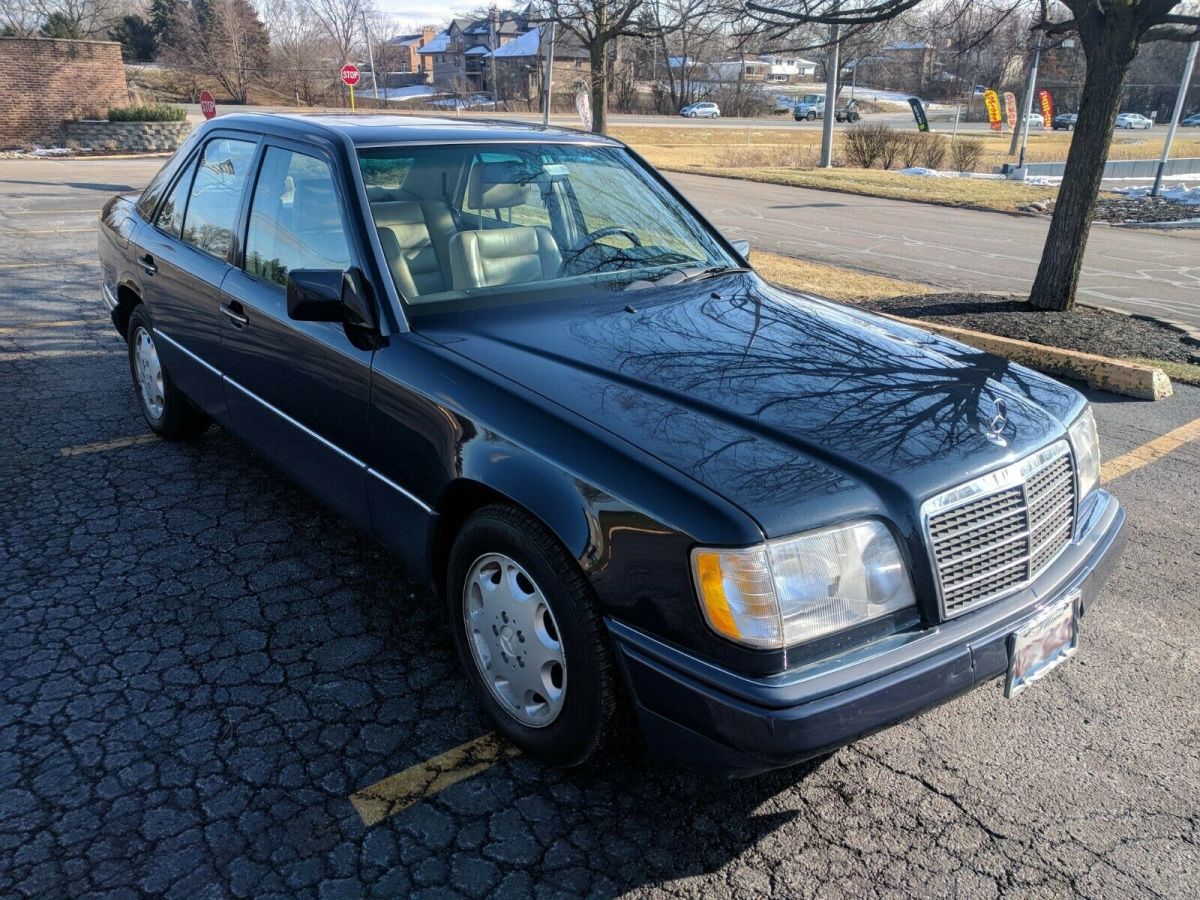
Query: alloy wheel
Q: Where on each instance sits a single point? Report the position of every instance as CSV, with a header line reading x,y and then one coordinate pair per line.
x,y
514,640
149,374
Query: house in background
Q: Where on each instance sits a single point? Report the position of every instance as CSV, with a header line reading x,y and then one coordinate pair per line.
x,y
458,59
404,57
770,69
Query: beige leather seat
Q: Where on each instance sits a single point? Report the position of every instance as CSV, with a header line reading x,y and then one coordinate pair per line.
x,y
505,254
415,238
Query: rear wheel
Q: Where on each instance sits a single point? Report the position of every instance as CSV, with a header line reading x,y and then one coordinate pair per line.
x,y
812,117
530,636
167,411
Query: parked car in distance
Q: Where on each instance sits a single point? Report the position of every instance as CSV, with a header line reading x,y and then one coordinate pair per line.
x,y
1191,121
1133,120
1036,120
809,108
1064,122
523,362
703,110
848,112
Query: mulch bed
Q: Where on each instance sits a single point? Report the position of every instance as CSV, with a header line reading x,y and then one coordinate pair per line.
x,y
1085,328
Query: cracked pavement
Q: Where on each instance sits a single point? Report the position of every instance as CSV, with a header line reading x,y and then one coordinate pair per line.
x,y
199,665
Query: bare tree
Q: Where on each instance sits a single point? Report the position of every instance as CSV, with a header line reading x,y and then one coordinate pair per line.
x,y
342,21
298,42
1110,32
596,25
682,28
223,40
18,18
80,18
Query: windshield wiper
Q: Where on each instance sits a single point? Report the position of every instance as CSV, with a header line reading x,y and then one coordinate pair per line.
x,y
711,272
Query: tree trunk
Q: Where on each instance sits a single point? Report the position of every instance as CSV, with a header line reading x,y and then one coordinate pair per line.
x,y
599,62
1108,59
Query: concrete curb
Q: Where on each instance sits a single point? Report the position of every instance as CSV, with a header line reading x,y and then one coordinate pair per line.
x,y
1113,375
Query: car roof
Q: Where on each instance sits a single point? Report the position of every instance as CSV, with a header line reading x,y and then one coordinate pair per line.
x,y
380,129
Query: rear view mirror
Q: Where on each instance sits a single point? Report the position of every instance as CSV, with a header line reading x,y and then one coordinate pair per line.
x,y
742,248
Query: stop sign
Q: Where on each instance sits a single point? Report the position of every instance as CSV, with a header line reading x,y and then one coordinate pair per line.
x,y
350,74
208,105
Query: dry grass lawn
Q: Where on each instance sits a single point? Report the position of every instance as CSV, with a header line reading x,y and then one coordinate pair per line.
x,y
829,281
778,156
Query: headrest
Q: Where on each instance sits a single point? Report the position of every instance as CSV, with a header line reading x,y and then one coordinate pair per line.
x,y
397,213
314,204
498,185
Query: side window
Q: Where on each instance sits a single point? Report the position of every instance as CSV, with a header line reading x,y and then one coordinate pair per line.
x,y
295,219
170,214
503,188
216,195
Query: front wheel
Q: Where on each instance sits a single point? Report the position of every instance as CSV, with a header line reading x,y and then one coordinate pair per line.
x,y
167,411
528,631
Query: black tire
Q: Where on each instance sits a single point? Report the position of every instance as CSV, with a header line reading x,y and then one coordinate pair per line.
x,y
812,117
179,419
590,697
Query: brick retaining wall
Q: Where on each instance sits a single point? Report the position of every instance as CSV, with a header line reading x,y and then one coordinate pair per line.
x,y
44,82
130,136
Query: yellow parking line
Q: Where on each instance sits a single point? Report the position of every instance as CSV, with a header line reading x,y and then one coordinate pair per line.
x,y
398,792
34,326
1149,452
28,265
114,444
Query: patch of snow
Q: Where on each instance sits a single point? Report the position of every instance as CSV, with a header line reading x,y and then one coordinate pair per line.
x,y
1180,194
921,170
43,152
412,92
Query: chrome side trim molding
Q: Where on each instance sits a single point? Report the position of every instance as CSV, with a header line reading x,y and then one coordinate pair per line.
x,y
184,350
395,487
110,299
425,507
279,412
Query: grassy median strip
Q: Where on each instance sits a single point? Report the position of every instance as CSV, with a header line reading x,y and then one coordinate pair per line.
x,y
398,792
833,282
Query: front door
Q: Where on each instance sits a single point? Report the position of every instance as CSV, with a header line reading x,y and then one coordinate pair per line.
x,y
297,391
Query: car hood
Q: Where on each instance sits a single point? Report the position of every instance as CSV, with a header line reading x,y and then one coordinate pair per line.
x,y
788,405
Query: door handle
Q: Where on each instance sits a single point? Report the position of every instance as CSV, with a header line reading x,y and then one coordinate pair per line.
x,y
146,261
235,313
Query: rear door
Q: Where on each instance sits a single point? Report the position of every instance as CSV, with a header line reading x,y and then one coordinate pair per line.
x,y
296,391
185,256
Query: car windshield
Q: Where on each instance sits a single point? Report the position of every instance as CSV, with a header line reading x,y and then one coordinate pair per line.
x,y
472,224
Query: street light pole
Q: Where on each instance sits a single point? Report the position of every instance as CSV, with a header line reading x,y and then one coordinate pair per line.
x,y
370,57
1175,113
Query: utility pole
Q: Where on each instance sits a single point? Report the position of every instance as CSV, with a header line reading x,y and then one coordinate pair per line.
x,y
1175,113
1022,131
549,86
371,58
831,91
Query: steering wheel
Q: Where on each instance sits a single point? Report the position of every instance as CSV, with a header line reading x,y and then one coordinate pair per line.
x,y
608,231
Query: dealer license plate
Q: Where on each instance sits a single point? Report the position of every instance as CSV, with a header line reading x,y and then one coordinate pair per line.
x,y
1042,644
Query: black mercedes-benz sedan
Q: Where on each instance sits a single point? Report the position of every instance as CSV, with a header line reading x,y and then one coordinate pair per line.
x,y
637,473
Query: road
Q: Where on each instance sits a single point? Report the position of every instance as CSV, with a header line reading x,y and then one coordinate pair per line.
x,y
200,666
1138,270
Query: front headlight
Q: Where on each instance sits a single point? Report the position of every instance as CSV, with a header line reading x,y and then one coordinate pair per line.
x,y
1086,445
794,589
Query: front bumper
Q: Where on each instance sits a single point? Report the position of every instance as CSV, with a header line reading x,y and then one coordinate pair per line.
x,y
734,725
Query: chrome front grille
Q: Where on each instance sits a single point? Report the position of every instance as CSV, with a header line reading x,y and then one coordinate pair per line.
x,y
997,533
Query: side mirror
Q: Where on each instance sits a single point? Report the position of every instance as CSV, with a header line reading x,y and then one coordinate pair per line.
x,y
329,295
742,248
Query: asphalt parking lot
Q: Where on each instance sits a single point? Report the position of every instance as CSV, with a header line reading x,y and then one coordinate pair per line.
x,y
211,687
